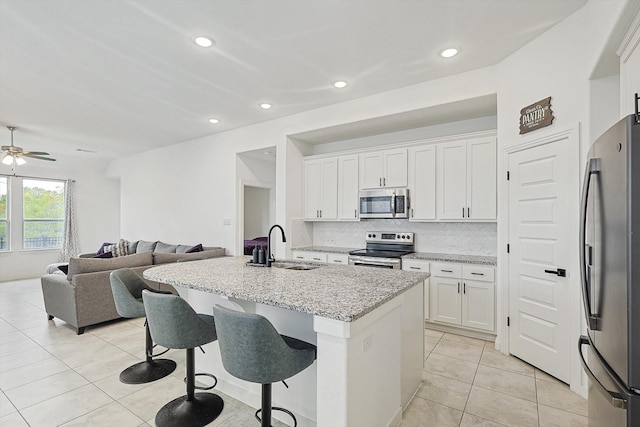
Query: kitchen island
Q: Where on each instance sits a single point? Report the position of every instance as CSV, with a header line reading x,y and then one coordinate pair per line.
x,y
367,324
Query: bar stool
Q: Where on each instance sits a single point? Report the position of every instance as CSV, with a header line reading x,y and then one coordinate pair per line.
x,y
127,287
174,324
254,351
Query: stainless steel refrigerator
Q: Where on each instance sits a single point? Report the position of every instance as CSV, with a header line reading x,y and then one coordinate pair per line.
x,y
610,275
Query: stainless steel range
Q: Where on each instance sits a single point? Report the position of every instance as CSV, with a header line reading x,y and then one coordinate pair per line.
x,y
384,249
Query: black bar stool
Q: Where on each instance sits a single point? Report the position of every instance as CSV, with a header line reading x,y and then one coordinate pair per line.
x,y
174,324
127,287
254,351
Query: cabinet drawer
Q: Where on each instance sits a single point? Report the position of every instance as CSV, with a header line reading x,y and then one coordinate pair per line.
x,y
338,259
415,265
317,256
446,270
475,272
302,255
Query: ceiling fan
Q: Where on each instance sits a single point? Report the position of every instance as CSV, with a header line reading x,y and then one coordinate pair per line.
x,y
14,154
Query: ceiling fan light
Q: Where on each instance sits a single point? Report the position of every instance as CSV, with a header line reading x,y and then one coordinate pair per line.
x,y
20,161
7,160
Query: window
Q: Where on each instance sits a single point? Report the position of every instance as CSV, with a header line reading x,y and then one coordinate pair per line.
x,y
43,214
4,213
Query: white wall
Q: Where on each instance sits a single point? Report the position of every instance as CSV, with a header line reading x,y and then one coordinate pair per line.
x,y
97,205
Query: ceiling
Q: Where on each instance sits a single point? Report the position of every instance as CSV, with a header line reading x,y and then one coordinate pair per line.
x,y
119,77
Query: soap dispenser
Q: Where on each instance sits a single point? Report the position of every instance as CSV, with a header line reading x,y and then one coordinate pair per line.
x,y
262,258
254,254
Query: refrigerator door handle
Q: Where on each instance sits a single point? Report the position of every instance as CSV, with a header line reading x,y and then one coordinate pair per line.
x,y
593,167
617,400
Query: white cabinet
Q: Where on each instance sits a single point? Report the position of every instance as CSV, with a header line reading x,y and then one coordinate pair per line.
x,y
348,188
321,189
423,267
383,169
466,178
422,183
463,295
300,255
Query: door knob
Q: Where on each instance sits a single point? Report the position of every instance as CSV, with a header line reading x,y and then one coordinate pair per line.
x,y
561,272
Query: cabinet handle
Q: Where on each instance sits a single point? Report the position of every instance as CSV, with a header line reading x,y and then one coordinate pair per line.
x,y
468,213
337,260
458,287
464,288
447,271
384,182
478,274
355,213
412,214
380,180
463,212
415,268
316,259
317,214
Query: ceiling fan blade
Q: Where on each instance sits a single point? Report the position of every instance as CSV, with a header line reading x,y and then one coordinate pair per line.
x,y
37,153
41,158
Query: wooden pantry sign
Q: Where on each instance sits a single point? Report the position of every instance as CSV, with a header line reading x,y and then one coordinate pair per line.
x,y
536,116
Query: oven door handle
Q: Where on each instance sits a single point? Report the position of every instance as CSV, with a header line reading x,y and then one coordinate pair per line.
x,y
372,261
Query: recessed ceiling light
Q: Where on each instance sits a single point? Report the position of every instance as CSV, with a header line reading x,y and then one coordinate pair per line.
x,y
448,53
340,84
214,121
265,106
203,41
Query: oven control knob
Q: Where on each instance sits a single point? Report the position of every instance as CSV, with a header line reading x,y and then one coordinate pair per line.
x,y
374,236
369,235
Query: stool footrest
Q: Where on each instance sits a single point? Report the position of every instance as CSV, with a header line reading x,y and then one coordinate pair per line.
x,y
197,387
276,408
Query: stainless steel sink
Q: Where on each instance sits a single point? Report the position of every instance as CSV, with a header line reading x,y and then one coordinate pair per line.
x,y
293,265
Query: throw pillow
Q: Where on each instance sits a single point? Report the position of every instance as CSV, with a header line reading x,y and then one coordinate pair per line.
x,y
144,246
182,249
104,255
102,248
133,246
121,249
196,248
64,268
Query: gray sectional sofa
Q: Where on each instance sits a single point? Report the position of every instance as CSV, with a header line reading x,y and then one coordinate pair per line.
x,y
83,296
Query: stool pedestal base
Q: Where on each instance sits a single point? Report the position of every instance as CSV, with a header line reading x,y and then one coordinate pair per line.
x,y
200,411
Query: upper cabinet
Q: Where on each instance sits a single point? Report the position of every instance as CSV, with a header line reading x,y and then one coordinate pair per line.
x,y
466,178
348,188
422,183
321,189
380,169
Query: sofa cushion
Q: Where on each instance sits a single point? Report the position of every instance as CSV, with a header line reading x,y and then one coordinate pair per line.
x,y
164,258
182,249
133,246
165,248
144,246
90,265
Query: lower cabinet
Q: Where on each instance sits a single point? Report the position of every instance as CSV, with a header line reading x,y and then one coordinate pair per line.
x,y
423,267
463,295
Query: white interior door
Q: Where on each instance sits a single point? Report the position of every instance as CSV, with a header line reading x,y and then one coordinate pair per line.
x,y
540,188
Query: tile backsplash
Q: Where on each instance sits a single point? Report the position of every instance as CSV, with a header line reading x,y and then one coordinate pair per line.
x,y
449,237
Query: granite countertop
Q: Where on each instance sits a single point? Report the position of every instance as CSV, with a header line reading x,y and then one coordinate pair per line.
x,y
468,259
338,292
328,249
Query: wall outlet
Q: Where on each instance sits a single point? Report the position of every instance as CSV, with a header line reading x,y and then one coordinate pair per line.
x,y
367,343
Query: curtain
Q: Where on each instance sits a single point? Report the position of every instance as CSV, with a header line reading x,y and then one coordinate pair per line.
x,y
70,245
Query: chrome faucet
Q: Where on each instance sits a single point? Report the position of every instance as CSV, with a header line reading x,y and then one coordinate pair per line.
x,y
270,257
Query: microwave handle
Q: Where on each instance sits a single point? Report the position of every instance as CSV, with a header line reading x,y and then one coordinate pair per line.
x,y
393,205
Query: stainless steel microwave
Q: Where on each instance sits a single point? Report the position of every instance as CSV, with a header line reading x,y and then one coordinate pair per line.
x,y
384,203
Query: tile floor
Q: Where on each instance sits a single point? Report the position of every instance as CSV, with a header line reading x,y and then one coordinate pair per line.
x,y
49,376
